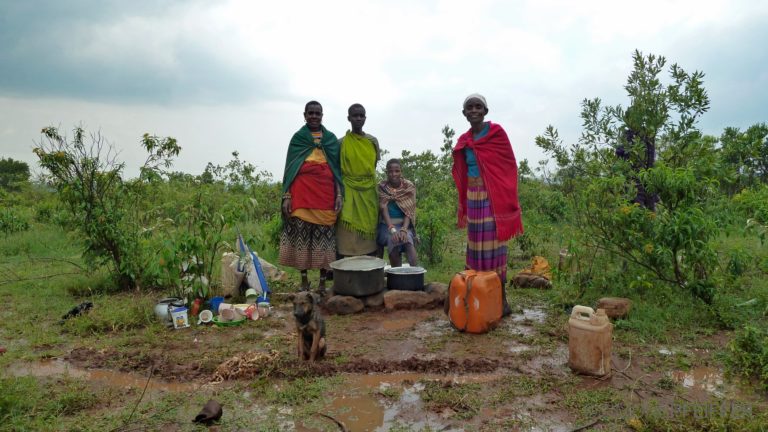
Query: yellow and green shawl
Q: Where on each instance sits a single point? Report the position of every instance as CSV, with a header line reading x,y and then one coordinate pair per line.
x,y
359,155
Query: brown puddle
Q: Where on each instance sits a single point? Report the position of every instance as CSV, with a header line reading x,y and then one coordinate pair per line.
x,y
109,378
535,315
399,324
363,406
704,379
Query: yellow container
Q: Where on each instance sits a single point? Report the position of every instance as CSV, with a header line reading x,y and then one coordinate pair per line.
x,y
589,341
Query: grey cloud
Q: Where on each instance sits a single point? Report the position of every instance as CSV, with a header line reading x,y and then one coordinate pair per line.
x,y
38,40
734,61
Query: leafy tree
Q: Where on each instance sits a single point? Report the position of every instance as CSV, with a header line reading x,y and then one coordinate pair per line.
x,y
106,209
13,173
635,178
745,156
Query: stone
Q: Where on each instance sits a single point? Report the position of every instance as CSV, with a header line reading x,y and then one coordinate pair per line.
x,y
375,301
344,305
397,299
438,292
438,287
615,307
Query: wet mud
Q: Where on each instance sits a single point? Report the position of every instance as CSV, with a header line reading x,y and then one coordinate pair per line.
x,y
385,359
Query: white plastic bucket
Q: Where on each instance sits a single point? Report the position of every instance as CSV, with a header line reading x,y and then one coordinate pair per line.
x,y
179,317
264,309
205,317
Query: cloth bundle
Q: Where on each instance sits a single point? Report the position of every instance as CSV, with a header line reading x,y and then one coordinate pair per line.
x,y
538,275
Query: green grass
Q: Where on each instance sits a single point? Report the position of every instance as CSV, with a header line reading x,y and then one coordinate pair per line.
x,y
512,387
27,403
463,399
592,404
713,416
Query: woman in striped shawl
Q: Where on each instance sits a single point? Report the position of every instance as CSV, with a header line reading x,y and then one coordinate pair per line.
x,y
397,204
485,172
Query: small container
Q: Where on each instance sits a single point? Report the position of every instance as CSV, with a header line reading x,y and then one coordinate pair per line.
x,y
179,317
164,307
589,341
241,308
405,278
196,306
215,302
251,312
226,315
251,295
205,317
264,308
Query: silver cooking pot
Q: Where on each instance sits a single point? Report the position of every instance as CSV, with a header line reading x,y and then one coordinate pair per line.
x,y
358,276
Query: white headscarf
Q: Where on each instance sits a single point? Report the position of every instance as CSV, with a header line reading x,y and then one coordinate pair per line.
x,y
477,96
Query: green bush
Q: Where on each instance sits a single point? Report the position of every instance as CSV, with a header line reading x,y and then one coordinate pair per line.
x,y
44,212
433,224
753,203
738,262
747,355
12,222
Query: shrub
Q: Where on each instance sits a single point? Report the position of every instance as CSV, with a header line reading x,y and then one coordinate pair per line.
x,y
753,203
104,208
627,203
747,355
12,222
44,212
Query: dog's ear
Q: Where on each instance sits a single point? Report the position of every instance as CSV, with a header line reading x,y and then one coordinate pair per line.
x,y
315,298
291,297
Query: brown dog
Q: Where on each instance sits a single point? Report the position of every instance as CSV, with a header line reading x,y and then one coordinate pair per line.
x,y
310,326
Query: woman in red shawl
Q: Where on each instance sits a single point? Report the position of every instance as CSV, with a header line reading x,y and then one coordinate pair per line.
x,y
485,172
312,198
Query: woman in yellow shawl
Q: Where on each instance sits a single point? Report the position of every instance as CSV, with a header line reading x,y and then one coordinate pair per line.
x,y
356,229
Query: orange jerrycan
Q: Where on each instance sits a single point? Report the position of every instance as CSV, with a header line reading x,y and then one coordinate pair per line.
x,y
475,301
589,341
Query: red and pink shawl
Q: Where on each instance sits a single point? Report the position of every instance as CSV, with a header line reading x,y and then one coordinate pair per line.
x,y
498,169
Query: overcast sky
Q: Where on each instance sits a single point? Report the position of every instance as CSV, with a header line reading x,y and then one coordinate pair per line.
x,y
234,75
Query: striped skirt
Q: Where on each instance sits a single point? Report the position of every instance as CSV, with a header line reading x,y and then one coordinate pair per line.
x,y
484,251
304,245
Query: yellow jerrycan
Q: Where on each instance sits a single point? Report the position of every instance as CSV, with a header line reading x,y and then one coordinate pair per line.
x,y
589,341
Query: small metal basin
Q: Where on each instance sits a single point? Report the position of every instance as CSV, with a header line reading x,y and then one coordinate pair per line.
x,y
406,278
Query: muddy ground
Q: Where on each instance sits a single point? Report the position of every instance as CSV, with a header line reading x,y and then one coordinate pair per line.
x,y
409,370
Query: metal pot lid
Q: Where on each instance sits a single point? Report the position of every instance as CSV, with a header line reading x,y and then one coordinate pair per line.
x,y
406,270
358,263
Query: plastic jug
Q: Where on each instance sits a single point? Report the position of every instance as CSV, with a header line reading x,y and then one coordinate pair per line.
x,y
475,301
589,341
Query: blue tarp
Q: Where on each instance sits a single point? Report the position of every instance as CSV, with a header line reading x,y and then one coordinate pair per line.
x,y
242,266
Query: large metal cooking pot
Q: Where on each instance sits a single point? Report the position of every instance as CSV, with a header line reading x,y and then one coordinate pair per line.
x,y
358,276
405,278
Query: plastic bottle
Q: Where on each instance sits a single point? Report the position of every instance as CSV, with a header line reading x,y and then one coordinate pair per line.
x,y
196,306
